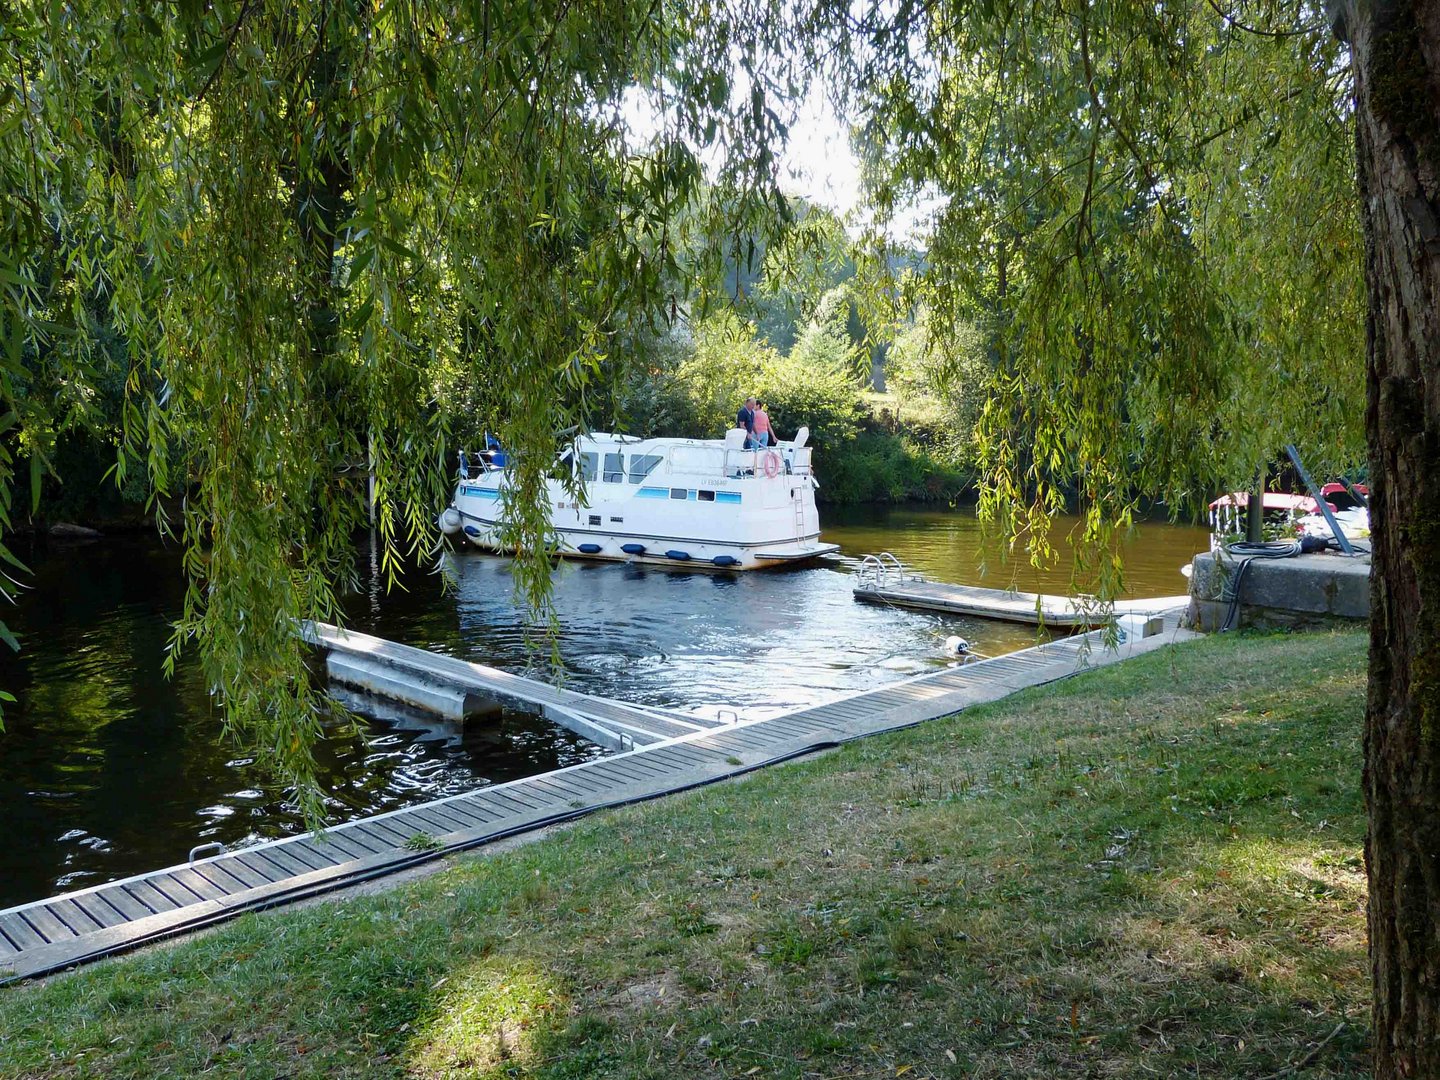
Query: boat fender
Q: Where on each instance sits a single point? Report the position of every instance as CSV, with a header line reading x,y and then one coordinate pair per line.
x,y
678,556
590,549
724,560
471,530
956,645
450,521
633,549
771,464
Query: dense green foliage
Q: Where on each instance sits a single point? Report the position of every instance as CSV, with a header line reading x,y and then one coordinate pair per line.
x,y
1153,209
302,223
914,444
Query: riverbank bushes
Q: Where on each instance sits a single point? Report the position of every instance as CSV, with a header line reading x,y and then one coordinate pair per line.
x,y
913,444
887,466
1150,870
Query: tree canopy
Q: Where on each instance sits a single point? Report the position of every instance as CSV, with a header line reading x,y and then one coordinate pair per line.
x,y
304,221
1154,210
328,234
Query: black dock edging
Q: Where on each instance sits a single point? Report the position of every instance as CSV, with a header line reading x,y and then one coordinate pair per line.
x,y
46,936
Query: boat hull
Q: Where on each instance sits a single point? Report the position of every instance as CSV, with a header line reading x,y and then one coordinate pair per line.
x,y
698,553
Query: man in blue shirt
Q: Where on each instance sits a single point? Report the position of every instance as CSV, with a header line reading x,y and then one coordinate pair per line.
x,y
745,418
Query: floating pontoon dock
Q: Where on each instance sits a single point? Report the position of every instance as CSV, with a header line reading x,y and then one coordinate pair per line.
x,y
48,935
884,580
458,689
1036,609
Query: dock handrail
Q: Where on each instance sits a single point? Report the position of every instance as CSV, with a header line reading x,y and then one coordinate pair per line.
x,y
875,570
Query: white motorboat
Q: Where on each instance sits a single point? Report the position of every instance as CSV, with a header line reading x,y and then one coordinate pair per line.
x,y
1349,508
692,502
1354,523
1299,513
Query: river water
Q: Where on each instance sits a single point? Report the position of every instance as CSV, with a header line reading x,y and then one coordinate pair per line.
x,y
107,769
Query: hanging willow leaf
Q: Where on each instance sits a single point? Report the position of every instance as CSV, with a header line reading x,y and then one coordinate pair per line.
x,y
315,240
1153,214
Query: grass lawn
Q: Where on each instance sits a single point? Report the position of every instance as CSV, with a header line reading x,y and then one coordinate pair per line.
x,y
1150,870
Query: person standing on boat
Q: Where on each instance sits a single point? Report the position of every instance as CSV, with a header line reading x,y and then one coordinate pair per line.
x,y
764,435
745,418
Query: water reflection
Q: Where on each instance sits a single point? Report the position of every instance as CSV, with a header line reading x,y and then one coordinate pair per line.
x,y
108,769
950,546
757,642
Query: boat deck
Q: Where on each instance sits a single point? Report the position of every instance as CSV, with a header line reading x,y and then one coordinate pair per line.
x,y
1035,609
49,935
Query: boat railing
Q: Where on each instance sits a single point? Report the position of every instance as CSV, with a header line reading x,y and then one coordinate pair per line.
x,y
483,464
699,461
738,464
878,571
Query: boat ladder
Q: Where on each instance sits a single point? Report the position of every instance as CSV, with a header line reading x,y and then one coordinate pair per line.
x,y
876,570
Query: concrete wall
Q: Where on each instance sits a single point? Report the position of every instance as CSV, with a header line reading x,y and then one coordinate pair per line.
x,y
1303,592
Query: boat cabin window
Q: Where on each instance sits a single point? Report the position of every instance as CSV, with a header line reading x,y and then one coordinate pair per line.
x,y
642,465
679,493
707,496
589,466
614,469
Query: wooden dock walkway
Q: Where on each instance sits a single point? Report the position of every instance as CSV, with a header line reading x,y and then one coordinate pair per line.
x,y
49,935
1034,608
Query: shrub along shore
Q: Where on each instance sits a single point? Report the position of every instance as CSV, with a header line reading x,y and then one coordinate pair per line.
x,y
1149,870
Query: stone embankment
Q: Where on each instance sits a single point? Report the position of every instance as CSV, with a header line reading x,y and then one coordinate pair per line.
x,y
1299,593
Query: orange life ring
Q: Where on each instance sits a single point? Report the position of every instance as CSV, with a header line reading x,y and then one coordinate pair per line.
x,y
772,463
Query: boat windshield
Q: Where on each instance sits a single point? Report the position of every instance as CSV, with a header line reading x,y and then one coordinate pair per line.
x,y
642,465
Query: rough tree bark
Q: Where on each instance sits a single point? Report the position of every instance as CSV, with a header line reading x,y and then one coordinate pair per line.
x,y
1396,56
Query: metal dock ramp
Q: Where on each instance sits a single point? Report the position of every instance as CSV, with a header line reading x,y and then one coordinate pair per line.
x,y
48,935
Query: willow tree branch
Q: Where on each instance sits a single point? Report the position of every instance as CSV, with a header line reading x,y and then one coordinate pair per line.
x,y
1238,25
229,44
1152,182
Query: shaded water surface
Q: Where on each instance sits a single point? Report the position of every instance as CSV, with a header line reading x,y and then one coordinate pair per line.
x,y
107,769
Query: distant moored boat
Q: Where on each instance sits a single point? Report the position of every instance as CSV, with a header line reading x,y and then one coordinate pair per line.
x,y
682,502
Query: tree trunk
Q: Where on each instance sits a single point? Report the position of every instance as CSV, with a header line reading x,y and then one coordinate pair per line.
x,y
1396,55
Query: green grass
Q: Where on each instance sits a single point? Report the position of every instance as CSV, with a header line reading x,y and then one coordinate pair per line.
x,y
1152,870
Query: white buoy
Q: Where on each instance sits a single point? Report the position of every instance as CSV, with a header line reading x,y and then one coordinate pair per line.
x,y
956,645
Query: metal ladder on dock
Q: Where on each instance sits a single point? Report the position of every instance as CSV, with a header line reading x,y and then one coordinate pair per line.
x,y
875,571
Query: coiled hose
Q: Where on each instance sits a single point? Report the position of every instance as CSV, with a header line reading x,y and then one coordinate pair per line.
x,y
1246,552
